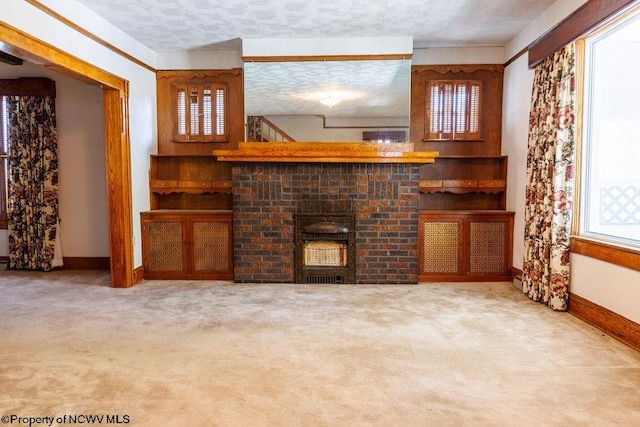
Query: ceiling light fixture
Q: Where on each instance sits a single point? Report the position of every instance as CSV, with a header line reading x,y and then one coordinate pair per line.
x,y
330,100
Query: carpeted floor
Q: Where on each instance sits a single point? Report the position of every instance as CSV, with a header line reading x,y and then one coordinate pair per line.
x,y
205,353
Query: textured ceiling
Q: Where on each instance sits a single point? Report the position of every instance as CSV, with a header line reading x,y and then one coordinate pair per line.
x,y
368,88
177,25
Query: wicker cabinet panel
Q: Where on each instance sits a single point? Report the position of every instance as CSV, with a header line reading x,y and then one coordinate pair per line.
x,y
187,244
487,247
441,246
211,243
165,241
465,245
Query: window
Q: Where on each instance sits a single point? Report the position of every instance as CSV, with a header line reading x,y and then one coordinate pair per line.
x,y
610,176
4,151
453,109
201,113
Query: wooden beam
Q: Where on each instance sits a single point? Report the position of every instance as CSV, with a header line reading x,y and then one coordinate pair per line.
x,y
585,18
326,152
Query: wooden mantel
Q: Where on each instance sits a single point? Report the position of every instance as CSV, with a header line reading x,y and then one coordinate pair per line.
x,y
326,152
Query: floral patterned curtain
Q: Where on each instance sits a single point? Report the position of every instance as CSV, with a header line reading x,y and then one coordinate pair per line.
x,y
33,182
550,180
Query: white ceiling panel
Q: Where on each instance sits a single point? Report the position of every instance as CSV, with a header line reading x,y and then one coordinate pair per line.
x,y
177,25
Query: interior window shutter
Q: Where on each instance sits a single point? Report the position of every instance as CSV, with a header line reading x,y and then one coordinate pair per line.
x,y
474,111
194,104
201,112
447,111
453,109
221,122
460,110
207,112
181,105
433,111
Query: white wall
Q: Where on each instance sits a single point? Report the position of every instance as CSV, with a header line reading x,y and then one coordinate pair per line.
x,y
142,83
82,168
458,55
608,285
518,83
200,60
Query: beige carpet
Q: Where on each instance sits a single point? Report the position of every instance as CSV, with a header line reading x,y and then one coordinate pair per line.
x,y
208,353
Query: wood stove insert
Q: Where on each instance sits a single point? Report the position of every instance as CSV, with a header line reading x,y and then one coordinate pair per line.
x,y
325,248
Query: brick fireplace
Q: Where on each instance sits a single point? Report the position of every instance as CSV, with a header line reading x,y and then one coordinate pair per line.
x,y
383,197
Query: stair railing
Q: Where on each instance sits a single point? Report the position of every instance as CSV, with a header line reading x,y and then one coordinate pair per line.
x,y
260,129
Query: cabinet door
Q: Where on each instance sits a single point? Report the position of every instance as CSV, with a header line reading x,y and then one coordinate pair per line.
x,y
212,245
465,245
490,246
164,241
486,247
441,246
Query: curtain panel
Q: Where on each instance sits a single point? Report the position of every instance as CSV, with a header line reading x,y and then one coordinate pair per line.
x,y
33,182
550,181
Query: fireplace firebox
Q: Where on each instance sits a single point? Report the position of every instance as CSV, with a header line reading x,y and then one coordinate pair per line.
x,y
325,248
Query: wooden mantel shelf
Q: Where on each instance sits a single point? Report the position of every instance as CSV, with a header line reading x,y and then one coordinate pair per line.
x,y
326,152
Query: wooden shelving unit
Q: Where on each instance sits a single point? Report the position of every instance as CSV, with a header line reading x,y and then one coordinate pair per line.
x,y
464,182
189,182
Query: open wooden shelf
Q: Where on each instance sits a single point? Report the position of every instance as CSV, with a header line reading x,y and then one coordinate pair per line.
x,y
189,182
463,186
460,182
162,186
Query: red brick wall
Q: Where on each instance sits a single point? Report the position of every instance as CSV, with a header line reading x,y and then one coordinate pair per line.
x,y
384,198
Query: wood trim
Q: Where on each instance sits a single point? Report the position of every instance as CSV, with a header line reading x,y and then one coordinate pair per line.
x,y
31,49
585,18
327,152
138,275
614,254
620,328
515,271
307,58
457,68
86,263
515,57
117,141
185,76
88,34
119,187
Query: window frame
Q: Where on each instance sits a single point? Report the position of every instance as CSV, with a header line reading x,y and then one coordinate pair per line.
x,y
454,134
587,244
201,136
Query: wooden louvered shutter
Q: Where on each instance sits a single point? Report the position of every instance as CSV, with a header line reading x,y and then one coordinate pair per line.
x,y
453,110
201,113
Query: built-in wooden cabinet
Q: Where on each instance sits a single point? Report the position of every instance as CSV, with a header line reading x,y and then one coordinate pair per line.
x,y
189,182
465,233
465,245
181,92
463,183
187,234
187,244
